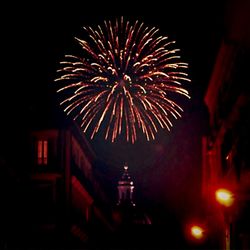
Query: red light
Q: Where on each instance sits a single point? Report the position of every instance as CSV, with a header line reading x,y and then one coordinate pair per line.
x,y
197,232
224,197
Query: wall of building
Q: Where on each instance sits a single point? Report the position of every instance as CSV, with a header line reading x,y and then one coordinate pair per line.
x,y
226,149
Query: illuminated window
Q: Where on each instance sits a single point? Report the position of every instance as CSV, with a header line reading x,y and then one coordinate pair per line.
x,y
42,152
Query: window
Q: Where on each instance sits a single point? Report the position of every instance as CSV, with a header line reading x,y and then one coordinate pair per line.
x,y
42,152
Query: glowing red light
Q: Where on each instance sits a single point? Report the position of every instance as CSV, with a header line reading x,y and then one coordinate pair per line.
x,y
224,197
197,232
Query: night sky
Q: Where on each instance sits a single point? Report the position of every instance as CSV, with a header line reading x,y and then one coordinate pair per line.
x,y
166,171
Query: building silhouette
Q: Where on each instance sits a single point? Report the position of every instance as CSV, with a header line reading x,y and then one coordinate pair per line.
x,y
126,212
133,225
55,199
226,146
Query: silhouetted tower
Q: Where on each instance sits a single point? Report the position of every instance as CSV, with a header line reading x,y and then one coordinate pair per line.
x,y
131,222
125,189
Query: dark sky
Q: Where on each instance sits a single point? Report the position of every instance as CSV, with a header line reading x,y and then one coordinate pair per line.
x,y
167,170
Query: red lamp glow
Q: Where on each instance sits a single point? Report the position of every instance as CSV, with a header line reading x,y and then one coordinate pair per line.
x,y
224,197
197,232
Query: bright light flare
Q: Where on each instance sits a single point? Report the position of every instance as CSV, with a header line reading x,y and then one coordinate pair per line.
x,y
224,197
197,232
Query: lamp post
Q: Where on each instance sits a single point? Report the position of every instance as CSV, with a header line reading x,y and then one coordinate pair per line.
x,y
226,198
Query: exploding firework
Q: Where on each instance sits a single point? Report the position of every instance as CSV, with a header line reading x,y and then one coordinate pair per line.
x,y
124,81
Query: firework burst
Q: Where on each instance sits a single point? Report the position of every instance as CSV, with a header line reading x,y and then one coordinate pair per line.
x,y
124,81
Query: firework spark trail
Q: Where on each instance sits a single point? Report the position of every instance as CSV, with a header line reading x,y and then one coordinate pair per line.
x,y
124,81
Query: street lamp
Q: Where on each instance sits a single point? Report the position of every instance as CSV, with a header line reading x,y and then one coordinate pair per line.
x,y
197,232
224,197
